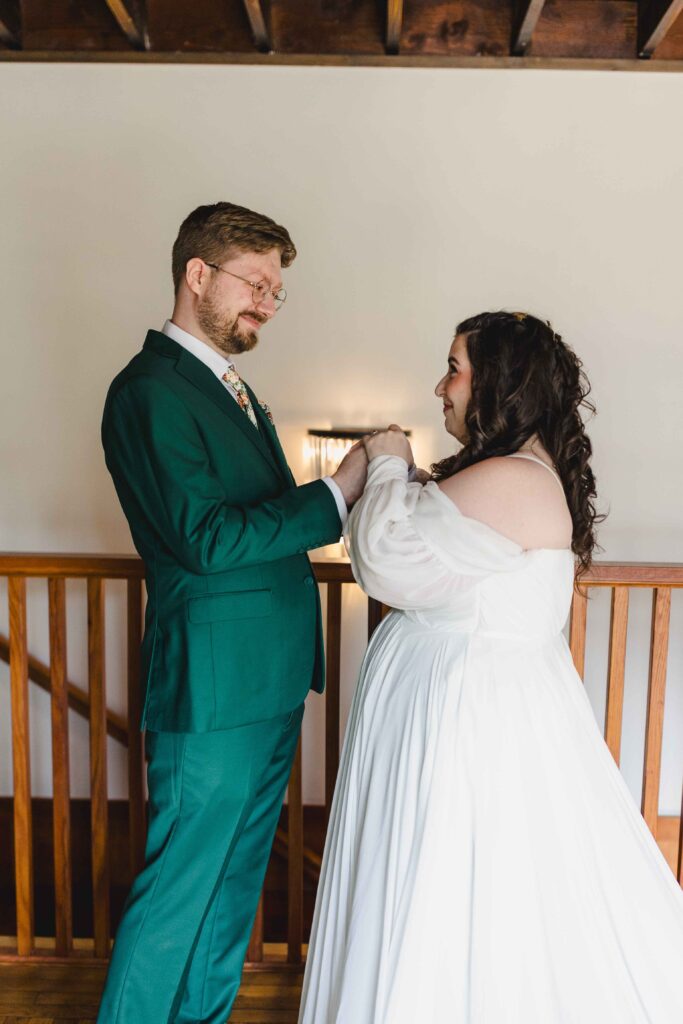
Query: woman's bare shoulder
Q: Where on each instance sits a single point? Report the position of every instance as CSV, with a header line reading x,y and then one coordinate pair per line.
x,y
516,497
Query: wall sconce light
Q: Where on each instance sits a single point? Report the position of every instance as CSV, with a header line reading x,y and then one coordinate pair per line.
x,y
324,449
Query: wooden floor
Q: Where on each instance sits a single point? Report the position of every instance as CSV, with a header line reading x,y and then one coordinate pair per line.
x,y
40,993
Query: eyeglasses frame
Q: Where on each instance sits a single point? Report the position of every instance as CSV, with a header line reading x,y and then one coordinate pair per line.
x,y
279,297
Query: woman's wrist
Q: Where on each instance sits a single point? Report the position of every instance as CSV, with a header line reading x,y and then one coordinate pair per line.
x,y
387,467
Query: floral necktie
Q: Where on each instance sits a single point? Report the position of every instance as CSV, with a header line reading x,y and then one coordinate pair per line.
x,y
232,377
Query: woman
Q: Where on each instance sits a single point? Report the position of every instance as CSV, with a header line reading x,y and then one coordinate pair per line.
x,y
485,863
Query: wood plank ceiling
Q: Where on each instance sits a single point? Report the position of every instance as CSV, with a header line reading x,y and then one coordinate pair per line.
x,y
629,34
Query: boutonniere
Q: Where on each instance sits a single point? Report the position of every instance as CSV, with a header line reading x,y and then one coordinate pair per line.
x,y
266,409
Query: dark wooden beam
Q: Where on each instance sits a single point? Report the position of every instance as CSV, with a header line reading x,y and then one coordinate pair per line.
x,y
10,24
471,28
673,63
394,25
256,14
329,26
200,25
586,29
348,32
527,13
655,18
130,22
71,25
670,49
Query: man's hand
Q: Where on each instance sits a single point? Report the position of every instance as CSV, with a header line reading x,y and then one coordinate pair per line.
x,y
352,474
389,442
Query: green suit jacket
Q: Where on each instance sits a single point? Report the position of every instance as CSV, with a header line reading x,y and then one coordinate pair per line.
x,y
232,627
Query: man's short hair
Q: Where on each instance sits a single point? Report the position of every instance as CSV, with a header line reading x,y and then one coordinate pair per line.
x,y
215,233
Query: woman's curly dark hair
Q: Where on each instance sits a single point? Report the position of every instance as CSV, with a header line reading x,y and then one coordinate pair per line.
x,y
526,381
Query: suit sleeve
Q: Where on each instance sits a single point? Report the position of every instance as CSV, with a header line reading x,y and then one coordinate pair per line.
x,y
155,454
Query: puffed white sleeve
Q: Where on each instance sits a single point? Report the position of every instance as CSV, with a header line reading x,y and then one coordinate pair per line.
x,y
410,547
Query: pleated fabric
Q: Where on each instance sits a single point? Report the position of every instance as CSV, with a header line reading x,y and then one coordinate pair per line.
x,y
485,862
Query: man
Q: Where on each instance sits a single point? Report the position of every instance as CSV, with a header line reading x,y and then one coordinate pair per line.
x,y
233,637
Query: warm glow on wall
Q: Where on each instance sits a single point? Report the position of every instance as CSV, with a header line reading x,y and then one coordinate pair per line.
x,y
324,449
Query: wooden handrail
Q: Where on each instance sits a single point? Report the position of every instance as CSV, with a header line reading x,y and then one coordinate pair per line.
x,y
634,574
70,566
77,566
80,566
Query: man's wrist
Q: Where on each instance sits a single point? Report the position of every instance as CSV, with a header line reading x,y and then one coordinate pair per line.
x,y
339,498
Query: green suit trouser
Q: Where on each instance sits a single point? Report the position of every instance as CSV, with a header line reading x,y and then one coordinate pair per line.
x,y
214,803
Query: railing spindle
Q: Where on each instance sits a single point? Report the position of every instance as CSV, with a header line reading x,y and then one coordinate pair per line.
x,y
98,767
332,687
679,872
659,648
295,862
61,810
255,951
21,765
577,629
136,756
617,664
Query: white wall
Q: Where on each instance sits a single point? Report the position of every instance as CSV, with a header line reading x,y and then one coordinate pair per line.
x,y
415,198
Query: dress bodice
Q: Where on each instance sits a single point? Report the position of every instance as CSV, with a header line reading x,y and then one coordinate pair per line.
x,y
412,548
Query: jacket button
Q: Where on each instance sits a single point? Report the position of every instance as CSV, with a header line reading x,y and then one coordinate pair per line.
x,y
309,581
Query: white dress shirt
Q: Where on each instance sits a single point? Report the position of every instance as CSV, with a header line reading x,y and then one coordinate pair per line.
x,y
218,364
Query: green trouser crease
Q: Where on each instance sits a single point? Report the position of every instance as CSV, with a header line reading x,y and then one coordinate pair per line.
x,y
214,804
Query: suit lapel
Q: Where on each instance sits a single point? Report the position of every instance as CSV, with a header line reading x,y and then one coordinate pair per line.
x,y
269,430
197,373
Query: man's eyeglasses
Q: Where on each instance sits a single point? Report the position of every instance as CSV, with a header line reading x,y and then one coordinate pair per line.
x,y
259,289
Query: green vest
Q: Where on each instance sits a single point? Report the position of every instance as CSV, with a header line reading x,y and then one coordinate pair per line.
x,y
233,630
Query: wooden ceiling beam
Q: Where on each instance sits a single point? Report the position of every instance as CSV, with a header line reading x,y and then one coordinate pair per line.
x,y
129,21
330,26
524,33
394,25
258,23
526,15
207,26
73,25
655,18
10,24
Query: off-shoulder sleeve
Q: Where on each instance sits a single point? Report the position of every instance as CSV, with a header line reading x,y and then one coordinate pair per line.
x,y
410,546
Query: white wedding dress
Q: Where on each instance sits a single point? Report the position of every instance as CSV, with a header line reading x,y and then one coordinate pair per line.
x,y
485,862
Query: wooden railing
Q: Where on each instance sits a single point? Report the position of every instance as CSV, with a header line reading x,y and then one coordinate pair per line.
x,y
56,569
95,571
660,579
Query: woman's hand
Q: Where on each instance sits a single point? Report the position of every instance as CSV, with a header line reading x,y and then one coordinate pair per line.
x,y
389,442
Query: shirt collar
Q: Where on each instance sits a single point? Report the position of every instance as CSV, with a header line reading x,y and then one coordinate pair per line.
x,y
217,363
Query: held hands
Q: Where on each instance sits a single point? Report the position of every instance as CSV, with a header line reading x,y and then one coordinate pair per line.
x,y
391,441
352,473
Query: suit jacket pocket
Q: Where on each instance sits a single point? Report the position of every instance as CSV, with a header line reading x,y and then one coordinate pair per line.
x,y
237,604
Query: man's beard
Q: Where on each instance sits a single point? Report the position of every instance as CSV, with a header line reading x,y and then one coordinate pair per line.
x,y
224,332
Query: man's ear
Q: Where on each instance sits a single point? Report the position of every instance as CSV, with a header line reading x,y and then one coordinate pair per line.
x,y
196,275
